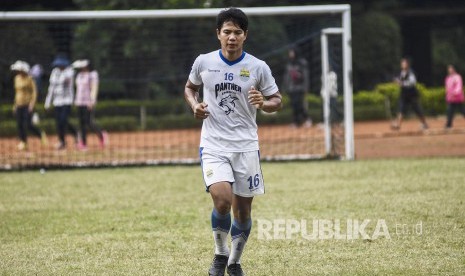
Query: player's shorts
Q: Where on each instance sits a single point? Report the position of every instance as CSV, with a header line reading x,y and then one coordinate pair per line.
x,y
241,169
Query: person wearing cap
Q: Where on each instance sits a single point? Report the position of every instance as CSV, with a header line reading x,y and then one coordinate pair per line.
x,y
24,103
87,81
61,95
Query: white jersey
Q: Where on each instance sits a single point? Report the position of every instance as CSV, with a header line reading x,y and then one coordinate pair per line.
x,y
231,126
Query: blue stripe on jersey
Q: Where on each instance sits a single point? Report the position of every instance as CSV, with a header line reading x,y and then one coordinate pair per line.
x,y
231,63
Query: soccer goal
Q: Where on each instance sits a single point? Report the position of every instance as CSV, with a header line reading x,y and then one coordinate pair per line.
x,y
143,58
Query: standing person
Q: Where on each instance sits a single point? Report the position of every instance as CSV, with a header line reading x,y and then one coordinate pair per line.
x,y
235,85
409,95
296,84
61,95
454,94
87,82
24,103
330,87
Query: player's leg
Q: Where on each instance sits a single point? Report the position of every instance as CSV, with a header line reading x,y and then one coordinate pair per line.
x,y
61,126
218,176
72,130
102,135
249,183
402,110
415,103
21,121
240,231
221,194
450,114
35,130
82,125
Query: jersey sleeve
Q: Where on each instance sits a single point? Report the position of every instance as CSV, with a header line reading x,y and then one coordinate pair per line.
x,y
194,75
267,84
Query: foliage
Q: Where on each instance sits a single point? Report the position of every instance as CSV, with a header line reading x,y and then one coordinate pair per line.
x,y
124,115
376,48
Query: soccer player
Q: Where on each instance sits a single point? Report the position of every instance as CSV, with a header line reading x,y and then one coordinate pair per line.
x,y
235,85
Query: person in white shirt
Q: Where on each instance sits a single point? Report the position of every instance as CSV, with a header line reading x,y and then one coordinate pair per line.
x,y
235,84
61,95
330,87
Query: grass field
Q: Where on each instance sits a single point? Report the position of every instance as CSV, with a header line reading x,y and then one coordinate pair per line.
x,y
155,221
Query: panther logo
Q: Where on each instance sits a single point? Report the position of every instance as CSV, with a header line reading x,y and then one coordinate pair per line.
x,y
227,104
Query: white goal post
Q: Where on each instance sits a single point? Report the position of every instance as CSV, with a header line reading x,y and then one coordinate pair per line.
x,y
345,30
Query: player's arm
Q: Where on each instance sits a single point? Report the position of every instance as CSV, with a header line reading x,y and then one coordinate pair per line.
x,y
268,104
272,103
191,94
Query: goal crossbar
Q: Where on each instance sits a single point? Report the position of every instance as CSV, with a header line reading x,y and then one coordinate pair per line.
x,y
168,13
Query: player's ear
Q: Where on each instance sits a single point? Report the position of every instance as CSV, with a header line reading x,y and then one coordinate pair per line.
x,y
245,35
218,33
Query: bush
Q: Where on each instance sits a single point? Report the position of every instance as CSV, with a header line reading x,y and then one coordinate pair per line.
x,y
124,115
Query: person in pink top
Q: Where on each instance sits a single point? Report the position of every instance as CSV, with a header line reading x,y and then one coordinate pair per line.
x,y
87,82
454,94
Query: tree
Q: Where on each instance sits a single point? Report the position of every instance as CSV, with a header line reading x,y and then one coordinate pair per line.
x,y
376,49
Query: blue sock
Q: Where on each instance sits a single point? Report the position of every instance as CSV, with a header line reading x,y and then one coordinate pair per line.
x,y
239,234
220,226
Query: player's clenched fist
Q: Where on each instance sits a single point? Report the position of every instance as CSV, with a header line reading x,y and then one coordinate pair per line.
x,y
256,98
200,111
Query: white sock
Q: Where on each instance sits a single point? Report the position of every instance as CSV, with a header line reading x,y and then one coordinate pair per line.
x,y
220,226
239,235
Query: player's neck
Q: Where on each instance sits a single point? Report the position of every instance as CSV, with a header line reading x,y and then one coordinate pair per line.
x,y
231,55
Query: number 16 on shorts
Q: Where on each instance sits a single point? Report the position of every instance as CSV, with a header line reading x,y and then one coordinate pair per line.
x,y
254,182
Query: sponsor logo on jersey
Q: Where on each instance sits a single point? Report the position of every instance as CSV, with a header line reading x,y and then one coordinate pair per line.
x,y
244,75
209,173
214,70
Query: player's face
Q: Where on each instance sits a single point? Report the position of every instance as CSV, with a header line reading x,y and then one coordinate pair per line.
x,y
231,37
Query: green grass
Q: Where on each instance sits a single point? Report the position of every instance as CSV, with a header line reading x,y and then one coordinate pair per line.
x,y
155,221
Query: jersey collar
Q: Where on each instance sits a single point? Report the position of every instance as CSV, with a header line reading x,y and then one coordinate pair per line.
x,y
231,63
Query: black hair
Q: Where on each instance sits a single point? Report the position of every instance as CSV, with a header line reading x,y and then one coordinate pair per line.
x,y
233,15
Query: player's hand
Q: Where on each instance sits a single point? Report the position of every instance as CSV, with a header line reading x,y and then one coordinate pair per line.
x,y
200,111
256,98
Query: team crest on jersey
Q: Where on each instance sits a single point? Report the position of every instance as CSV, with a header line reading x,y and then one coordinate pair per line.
x,y
244,75
228,103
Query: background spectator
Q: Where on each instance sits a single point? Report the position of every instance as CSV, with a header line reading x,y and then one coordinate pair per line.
x,y
409,95
296,84
330,87
87,82
454,94
61,95
24,103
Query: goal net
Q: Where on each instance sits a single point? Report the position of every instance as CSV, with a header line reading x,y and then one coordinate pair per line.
x,y
143,59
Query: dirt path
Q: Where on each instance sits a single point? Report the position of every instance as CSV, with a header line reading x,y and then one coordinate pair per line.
x,y
372,140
